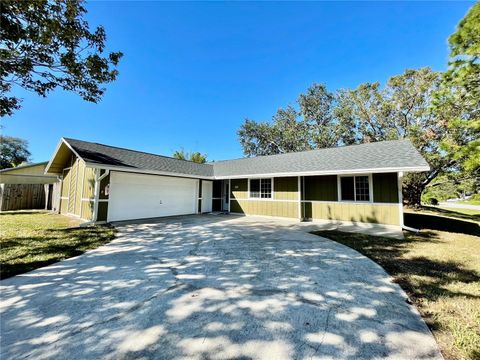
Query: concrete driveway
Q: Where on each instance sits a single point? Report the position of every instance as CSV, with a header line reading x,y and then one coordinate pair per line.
x,y
218,287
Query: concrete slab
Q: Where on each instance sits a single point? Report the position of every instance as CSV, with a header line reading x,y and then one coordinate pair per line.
x,y
212,287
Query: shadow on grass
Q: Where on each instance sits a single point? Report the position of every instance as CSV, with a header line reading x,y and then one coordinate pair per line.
x,y
426,221
23,212
23,254
452,213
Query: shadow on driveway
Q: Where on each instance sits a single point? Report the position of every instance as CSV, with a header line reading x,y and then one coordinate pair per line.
x,y
211,287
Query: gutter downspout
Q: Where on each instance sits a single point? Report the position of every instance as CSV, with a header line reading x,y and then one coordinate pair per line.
x,y
400,197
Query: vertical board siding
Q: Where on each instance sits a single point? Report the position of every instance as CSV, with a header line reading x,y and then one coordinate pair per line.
x,y
63,206
285,188
78,190
78,187
22,197
87,210
385,188
66,183
366,213
321,188
73,187
239,188
89,184
265,208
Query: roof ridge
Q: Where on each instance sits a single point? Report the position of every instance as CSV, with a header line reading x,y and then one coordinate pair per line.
x,y
137,151
311,150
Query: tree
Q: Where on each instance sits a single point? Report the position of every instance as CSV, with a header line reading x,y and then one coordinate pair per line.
x,y
368,113
285,134
48,44
311,126
402,109
13,151
457,103
193,156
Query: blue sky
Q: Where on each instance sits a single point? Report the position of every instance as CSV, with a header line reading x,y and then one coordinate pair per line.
x,y
192,72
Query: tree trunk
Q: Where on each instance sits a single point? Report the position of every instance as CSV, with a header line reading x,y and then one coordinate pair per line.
x,y
412,194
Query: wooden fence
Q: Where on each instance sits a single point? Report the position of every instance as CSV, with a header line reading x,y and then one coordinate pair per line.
x,y
22,196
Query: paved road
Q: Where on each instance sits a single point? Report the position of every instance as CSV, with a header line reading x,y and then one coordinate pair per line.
x,y
455,205
216,287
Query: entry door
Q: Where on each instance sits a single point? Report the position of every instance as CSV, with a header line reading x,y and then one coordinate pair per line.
x,y
226,195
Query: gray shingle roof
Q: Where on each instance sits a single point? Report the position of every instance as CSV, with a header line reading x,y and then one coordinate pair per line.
x,y
114,156
398,155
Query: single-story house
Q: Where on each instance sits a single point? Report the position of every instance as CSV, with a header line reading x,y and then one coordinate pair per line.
x,y
358,183
28,187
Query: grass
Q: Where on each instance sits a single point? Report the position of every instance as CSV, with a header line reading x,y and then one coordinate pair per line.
x,y
474,213
32,239
454,213
470,202
440,271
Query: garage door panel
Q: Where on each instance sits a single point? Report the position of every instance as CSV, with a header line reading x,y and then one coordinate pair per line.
x,y
136,196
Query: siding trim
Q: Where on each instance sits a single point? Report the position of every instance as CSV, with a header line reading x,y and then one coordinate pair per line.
x,y
299,194
400,197
359,203
326,172
265,199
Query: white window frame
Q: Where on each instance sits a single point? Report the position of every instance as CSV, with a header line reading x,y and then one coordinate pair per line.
x,y
260,198
370,189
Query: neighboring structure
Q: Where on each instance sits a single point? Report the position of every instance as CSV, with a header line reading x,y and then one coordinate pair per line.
x,y
28,187
359,183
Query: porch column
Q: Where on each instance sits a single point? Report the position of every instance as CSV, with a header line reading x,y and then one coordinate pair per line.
x,y
400,197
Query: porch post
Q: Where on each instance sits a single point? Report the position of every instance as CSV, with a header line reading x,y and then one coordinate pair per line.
x,y
299,188
400,197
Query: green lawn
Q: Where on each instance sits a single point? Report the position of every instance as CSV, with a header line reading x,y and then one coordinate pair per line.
x,y
440,271
475,213
32,239
454,213
471,202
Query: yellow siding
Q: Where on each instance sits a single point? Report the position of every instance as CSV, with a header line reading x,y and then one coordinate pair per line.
x,y
87,210
89,184
88,193
285,188
265,208
239,188
366,213
63,206
66,183
78,192
28,170
73,187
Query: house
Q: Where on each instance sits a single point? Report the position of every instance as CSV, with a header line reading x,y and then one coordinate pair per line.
x,y
28,187
358,183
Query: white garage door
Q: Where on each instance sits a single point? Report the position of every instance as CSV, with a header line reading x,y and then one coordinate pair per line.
x,y
137,196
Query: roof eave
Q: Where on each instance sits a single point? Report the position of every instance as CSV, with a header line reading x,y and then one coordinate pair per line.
x,y
50,162
328,172
146,171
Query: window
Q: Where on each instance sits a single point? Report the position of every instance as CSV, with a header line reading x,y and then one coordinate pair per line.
x,y
261,188
362,190
348,188
355,188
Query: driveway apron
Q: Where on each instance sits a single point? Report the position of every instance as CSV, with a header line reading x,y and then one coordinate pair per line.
x,y
212,287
